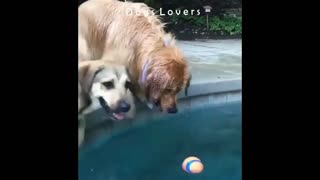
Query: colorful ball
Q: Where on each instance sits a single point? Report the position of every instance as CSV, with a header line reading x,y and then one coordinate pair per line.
x,y
192,165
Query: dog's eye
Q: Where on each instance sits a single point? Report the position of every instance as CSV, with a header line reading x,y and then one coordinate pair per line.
x,y
128,85
108,85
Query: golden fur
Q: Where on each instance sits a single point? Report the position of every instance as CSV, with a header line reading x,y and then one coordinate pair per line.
x,y
105,25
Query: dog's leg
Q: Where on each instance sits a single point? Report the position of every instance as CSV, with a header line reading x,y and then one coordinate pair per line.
x,y
81,130
188,85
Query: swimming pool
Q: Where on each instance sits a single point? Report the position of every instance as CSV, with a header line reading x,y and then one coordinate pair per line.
x,y
156,150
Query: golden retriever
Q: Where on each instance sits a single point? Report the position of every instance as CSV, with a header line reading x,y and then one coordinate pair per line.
x,y
110,84
157,67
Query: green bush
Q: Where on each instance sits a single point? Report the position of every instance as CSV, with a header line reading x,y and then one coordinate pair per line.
x,y
193,20
229,24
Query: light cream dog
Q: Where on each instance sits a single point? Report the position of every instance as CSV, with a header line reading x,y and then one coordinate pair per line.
x,y
110,84
157,68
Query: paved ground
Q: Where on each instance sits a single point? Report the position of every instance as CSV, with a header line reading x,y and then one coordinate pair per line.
x,y
213,60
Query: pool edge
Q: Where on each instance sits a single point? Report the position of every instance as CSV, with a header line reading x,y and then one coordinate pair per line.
x,y
214,92
211,93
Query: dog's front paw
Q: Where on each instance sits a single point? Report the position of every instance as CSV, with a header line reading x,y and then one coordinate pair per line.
x,y
81,130
81,133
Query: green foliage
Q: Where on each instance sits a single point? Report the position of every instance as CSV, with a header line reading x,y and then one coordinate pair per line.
x,y
150,2
229,24
194,20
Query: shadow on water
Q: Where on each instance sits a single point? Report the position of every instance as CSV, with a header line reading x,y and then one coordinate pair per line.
x,y
156,150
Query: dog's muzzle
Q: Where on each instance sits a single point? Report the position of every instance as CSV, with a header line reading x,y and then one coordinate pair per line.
x,y
123,106
117,114
172,110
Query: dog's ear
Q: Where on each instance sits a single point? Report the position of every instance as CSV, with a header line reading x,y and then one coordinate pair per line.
x,y
187,85
87,72
152,88
130,85
147,90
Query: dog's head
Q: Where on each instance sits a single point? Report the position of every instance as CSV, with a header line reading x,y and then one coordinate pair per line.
x,y
110,83
166,75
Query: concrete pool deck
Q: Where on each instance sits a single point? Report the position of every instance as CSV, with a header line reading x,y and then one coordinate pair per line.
x,y
216,78
215,65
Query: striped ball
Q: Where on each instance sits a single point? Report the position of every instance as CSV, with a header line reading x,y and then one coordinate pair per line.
x,y
192,165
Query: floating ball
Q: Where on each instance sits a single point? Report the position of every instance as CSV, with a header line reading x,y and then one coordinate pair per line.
x,y
192,165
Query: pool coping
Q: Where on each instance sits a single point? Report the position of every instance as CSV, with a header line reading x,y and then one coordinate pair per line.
x,y
198,89
212,87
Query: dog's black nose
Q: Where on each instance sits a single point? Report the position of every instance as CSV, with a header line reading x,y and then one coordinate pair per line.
x,y
124,106
172,110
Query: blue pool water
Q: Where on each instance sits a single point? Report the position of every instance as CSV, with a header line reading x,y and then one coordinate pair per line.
x,y
155,151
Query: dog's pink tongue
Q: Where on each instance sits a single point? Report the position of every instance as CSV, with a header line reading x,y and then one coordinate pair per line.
x,y
119,116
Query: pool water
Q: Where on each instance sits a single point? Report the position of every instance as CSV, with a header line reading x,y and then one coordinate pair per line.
x,y
156,150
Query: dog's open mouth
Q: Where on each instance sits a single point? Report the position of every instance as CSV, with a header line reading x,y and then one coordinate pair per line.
x,y
115,115
119,116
